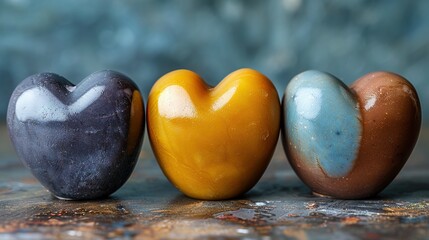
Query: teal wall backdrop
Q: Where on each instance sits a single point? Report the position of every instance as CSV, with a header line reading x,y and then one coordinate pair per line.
x,y
146,39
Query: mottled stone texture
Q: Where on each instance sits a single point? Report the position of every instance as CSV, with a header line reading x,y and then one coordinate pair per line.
x,y
146,39
80,142
349,143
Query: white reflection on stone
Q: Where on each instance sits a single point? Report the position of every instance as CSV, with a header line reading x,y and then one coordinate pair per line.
x,y
224,99
38,104
175,102
308,102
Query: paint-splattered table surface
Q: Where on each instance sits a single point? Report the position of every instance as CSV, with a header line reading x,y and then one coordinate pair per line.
x,y
280,206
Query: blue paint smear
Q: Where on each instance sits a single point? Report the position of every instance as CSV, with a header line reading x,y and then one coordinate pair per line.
x,y
323,122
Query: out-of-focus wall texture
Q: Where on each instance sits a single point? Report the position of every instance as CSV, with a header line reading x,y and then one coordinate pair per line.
x,y
146,39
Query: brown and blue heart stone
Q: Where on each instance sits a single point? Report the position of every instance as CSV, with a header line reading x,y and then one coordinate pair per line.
x,y
80,142
349,143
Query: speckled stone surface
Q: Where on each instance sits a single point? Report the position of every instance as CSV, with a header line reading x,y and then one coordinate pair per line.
x,y
80,142
349,142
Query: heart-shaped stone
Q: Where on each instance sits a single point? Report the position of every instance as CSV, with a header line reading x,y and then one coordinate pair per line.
x,y
80,142
345,142
213,143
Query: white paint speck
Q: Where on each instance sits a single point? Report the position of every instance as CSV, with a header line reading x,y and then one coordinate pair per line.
x,y
265,135
370,102
406,89
410,93
243,231
74,233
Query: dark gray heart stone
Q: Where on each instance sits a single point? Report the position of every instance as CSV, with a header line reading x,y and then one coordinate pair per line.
x,y
80,142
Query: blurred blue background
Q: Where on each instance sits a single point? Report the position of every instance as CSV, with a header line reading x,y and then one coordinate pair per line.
x,y
146,39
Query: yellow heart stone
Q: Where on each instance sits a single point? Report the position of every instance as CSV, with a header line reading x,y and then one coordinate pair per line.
x,y
213,143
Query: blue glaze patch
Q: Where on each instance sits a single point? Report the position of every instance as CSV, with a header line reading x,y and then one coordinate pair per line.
x,y
322,122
